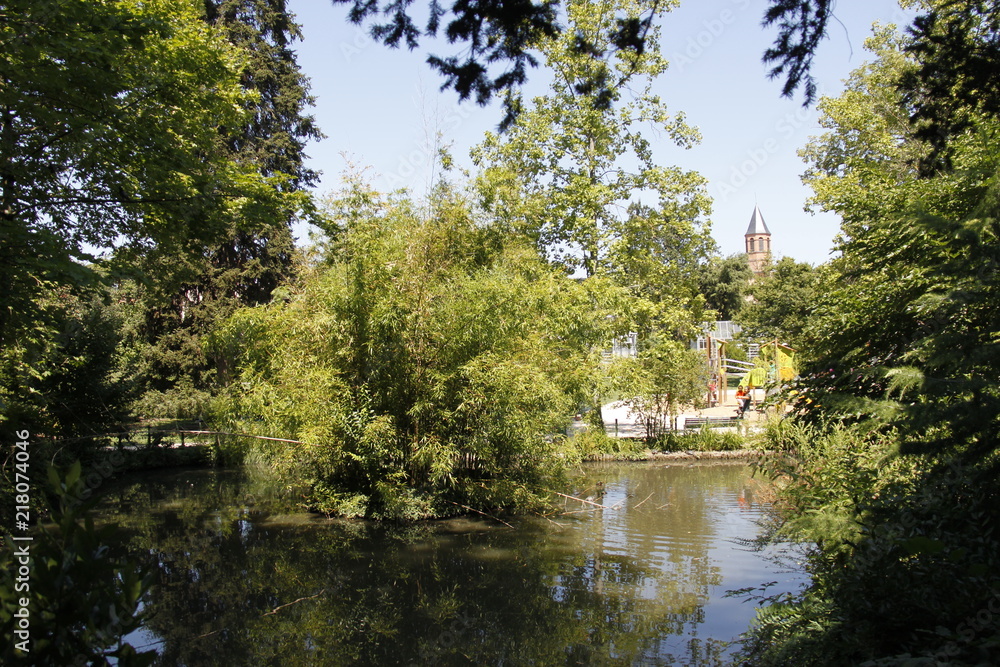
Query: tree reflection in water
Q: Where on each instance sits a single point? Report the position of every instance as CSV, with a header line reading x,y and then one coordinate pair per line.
x,y
242,583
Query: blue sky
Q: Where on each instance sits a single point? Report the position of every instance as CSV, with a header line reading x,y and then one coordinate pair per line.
x,y
381,108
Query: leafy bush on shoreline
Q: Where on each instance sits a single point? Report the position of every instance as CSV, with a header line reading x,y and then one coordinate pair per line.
x,y
419,367
896,483
904,558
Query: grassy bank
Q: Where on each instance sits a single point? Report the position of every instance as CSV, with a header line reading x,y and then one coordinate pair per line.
x,y
702,443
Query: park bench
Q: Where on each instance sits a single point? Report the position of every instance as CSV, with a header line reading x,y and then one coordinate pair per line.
x,y
710,422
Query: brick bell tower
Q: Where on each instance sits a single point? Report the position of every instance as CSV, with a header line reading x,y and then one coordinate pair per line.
x,y
758,243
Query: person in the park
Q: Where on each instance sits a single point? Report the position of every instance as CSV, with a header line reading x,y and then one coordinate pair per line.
x,y
742,400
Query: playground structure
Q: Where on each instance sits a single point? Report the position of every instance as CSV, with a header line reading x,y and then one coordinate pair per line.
x,y
773,366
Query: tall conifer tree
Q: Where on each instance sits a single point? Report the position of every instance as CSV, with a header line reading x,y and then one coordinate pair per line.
x,y
257,253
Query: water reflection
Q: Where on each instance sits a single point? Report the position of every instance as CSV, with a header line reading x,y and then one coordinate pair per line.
x,y
641,582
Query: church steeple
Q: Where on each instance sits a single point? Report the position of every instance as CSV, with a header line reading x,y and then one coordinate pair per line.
x,y
758,242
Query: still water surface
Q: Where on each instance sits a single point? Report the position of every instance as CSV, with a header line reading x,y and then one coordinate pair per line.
x,y
244,582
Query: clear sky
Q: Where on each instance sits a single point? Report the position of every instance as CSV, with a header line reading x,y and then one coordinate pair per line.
x,y
381,108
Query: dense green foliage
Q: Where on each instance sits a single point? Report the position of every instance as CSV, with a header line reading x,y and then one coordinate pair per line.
x,y
109,127
145,130
706,439
422,363
195,288
956,49
576,178
907,329
903,555
430,359
83,393
723,282
781,302
223,244
427,359
895,485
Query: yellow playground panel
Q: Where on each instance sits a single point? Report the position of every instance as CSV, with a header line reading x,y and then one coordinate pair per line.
x,y
775,364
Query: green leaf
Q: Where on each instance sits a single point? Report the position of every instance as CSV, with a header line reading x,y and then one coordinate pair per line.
x,y
922,545
73,475
54,480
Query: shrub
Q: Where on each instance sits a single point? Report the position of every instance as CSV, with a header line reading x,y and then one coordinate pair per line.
x,y
421,366
702,440
903,559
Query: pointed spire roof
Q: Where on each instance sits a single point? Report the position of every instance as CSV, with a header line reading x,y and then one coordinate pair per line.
x,y
757,225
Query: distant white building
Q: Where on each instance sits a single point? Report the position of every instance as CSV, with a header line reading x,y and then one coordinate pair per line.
x,y
623,346
721,330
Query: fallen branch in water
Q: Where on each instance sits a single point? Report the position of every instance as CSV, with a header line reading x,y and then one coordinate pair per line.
x,y
488,516
585,509
603,507
289,604
644,500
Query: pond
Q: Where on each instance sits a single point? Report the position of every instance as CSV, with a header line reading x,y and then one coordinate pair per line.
x,y
640,581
